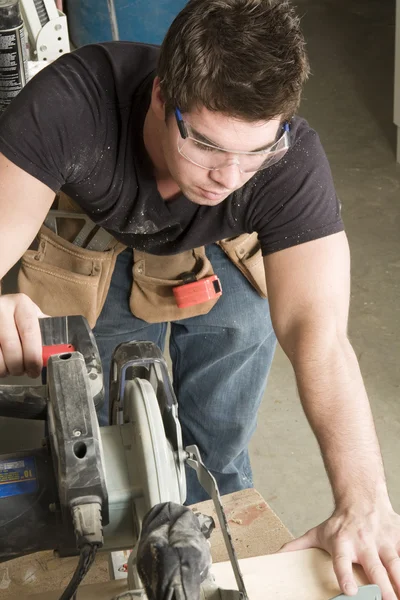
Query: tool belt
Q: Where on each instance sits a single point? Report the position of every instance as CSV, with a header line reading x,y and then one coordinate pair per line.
x,y
63,278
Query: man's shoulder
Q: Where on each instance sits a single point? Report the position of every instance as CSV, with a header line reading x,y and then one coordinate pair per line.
x,y
302,134
124,57
118,67
304,155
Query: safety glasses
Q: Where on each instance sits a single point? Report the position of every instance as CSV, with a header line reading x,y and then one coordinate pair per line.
x,y
208,156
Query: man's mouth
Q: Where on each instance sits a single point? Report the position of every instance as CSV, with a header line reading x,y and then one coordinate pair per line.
x,y
211,195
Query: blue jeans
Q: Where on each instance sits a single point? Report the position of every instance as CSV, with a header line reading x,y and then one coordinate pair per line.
x,y
221,362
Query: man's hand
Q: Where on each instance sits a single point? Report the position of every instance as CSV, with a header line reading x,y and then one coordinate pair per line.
x,y
20,338
370,538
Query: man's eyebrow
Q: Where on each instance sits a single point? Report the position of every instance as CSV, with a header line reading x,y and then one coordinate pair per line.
x,y
202,138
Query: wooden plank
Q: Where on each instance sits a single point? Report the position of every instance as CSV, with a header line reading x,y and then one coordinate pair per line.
x,y
302,575
104,591
43,572
255,529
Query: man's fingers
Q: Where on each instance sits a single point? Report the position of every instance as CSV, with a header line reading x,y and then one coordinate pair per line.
x,y
11,345
376,573
3,368
20,338
343,567
391,562
27,322
308,540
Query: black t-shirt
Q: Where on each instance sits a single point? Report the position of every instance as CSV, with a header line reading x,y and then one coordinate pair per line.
x,y
78,127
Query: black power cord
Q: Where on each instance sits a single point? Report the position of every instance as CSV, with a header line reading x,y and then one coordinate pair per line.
x,y
89,533
86,559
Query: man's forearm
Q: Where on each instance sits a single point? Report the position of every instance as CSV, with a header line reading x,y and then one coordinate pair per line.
x,y
336,404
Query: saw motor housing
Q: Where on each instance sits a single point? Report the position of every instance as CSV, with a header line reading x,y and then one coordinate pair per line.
x,y
94,486
126,468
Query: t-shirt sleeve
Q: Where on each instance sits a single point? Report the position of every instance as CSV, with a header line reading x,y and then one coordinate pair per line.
x,y
296,200
51,129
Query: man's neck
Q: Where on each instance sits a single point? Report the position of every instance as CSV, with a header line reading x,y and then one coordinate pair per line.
x,y
152,133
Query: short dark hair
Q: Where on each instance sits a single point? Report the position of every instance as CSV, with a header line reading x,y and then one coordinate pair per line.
x,y
244,58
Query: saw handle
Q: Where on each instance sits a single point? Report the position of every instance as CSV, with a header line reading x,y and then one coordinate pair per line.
x,y
48,351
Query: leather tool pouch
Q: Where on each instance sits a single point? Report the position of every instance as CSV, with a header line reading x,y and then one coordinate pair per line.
x,y
245,252
154,277
64,279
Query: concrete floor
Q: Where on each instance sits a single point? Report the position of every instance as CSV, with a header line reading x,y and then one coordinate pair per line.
x,y
349,101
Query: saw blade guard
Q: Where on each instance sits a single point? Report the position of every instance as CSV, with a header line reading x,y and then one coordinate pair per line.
x,y
144,458
153,460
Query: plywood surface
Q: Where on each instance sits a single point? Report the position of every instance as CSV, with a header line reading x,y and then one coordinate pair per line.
x,y
255,528
42,572
104,591
302,575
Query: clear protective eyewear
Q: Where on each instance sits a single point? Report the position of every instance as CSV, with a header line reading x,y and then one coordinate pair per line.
x,y
208,156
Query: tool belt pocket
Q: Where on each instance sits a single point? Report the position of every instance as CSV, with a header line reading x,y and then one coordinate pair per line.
x,y
245,252
154,277
63,279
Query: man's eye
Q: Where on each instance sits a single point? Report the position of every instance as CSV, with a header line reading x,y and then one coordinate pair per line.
x,y
204,148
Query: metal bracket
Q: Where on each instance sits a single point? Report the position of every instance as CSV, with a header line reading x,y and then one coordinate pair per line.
x,y
207,481
47,29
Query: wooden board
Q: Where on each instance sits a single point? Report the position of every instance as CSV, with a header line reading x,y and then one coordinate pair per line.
x,y
255,528
43,572
302,575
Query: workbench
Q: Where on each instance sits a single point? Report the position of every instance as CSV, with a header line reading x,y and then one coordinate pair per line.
x,y
256,531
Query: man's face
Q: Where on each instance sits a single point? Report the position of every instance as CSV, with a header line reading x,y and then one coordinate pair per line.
x,y
210,187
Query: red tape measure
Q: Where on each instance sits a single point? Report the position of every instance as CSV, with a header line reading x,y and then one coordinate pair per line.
x,y
197,292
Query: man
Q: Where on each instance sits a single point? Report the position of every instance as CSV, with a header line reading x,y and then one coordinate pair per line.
x,y
177,151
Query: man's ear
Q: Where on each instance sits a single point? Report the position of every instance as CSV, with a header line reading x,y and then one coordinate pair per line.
x,y
157,102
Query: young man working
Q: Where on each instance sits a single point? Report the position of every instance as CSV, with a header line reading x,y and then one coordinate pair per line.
x,y
174,150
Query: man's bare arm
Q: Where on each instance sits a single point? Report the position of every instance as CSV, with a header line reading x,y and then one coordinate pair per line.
x,y
309,290
24,203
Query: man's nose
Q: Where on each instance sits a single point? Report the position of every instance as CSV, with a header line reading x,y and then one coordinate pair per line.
x,y
228,177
